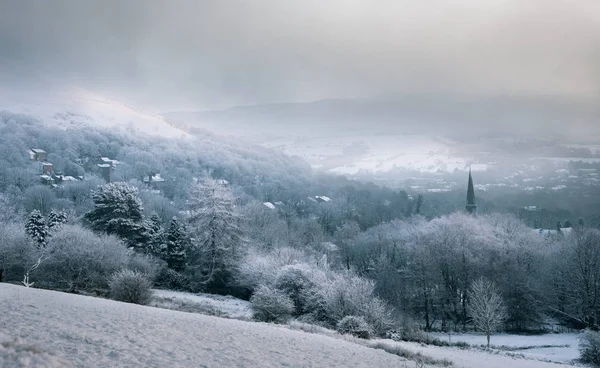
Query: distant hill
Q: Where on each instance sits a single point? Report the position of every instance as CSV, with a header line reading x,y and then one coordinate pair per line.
x,y
409,114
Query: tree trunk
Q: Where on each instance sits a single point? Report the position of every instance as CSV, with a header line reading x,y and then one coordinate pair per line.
x,y
488,338
1,271
426,314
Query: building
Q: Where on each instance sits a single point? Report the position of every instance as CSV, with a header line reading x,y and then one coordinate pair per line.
x,y
47,168
154,180
269,205
47,180
471,204
105,171
37,154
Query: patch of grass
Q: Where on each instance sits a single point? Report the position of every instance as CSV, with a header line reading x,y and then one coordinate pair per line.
x,y
311,328
186,306
517,348
422,337
410,355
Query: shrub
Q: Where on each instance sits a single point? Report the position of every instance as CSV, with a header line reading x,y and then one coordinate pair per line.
x,y
81,260
350,295
271,305
411,332
17,253
130,287
171,279
259,268
295,280
354,325
146,264
589,347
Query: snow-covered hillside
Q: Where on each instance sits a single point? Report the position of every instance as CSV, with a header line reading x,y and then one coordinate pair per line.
x,y
92,332
58,103
62,330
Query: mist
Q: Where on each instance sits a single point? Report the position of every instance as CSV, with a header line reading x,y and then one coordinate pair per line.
x,y
214,54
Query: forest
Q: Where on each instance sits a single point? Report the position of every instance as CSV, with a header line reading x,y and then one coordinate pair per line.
x,y
236,219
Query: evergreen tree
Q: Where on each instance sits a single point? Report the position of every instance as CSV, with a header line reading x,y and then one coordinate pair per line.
x,y
156,236
55,219
214,224
37,229
176,244
420,201
118,210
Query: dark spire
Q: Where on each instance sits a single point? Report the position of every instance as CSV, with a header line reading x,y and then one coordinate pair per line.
x,y
471,205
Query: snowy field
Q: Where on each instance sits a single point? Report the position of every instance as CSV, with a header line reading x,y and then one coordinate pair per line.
x,y
376,153
61,330
92,332
472,358
561,348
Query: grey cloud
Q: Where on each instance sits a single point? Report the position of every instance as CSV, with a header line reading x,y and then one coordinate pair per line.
x,y
225,52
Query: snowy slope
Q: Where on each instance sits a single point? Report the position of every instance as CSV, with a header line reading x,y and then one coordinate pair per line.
x,y
58,103
94,332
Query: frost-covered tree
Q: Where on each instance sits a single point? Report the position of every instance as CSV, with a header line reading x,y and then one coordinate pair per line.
x,y
577,276
56,219
36,228
215,228
39,197
118,211
176,244
156,236
486,307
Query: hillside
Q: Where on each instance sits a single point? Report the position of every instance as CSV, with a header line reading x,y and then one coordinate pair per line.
x,y
62,330
58,103
95,332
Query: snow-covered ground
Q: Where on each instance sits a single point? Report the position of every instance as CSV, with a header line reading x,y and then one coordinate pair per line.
x,y
215,305
561,348
92,332
367,152
470,358
58,329
15,353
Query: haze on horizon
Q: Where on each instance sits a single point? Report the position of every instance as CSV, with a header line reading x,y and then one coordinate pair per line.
x,y
172,55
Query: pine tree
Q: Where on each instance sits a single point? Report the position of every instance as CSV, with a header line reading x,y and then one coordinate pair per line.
x,y
420,201
176,244
55,219
214,223
118,210
37,229
156,236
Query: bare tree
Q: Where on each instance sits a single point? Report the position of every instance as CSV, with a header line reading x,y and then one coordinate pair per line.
x,y
486,307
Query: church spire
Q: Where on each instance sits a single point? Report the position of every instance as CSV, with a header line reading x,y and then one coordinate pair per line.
x,y
471,205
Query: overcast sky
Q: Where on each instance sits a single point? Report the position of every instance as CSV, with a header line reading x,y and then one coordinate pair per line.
x,y
212,54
